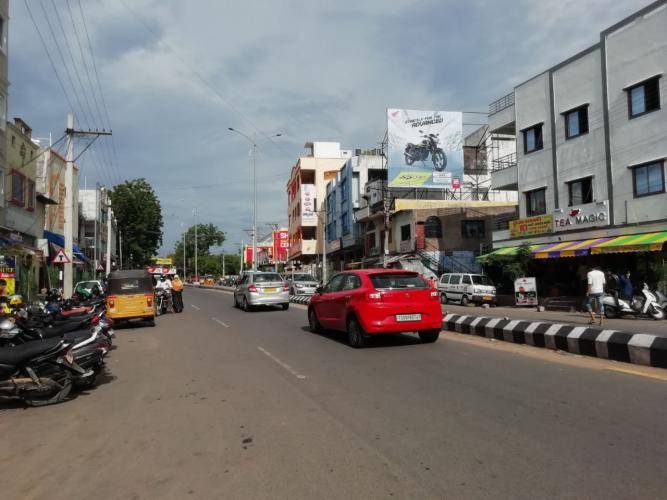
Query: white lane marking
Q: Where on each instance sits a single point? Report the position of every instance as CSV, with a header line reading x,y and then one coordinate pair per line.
x,y
195,307
220,322
284,365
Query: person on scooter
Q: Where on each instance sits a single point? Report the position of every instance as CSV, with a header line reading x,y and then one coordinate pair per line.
x,y
614,286
627,291
596,283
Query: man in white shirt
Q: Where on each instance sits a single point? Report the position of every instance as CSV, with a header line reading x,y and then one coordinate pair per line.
x,y
596,282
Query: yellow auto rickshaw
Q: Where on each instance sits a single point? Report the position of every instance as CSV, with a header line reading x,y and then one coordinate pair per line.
x,y
131,295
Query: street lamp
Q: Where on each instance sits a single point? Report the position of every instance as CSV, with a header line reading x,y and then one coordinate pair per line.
x,y
254,191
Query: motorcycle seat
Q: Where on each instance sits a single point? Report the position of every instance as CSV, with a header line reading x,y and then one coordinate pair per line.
x,y
77,336
17,354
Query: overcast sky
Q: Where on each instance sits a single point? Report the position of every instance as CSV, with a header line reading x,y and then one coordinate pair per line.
x,y
177,74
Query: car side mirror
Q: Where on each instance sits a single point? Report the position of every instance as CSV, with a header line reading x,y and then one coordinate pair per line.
x,y
319,289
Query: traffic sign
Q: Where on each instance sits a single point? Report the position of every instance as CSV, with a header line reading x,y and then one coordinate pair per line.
x,y
100,267
61,257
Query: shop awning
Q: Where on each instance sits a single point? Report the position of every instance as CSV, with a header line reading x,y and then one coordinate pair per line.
x,y
567,248
647,242
56,239
506,251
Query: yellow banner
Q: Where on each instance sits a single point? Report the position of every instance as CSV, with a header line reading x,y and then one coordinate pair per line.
x,y
163,261
539,224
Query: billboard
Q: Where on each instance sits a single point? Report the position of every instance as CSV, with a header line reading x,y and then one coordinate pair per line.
x,y
308,215
280,245
425,148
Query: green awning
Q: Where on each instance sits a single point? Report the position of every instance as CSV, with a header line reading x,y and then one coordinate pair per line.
x,y
506,251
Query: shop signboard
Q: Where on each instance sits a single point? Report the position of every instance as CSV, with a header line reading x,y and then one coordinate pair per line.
x,y
425,148
280,245
8,274
525,292
162,261
161,270
308,215
530,226
582,216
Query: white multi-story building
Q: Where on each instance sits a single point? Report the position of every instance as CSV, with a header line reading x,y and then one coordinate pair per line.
x,y
591,145
306,191
94,204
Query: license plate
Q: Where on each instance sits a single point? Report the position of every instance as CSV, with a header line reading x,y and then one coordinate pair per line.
x,y
488,297
270,290
408,317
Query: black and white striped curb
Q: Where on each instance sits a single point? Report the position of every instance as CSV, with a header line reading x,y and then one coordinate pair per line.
x,y
637,348
300,299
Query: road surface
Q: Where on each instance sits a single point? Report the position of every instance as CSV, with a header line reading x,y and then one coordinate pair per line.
x,y
218,403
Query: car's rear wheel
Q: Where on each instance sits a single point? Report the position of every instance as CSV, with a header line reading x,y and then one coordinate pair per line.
x,y
246,307
285,306
236,302
464,300
443,298
429,336
313,324
356,336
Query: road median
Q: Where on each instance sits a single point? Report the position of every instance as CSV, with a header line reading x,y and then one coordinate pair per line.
x,y
636,348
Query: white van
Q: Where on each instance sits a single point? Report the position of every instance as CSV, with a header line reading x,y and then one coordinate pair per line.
x,y
465,288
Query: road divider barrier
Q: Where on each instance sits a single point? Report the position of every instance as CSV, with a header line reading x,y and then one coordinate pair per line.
x,y
636,348
295,299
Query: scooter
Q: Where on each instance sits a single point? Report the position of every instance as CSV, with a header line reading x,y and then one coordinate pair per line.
x,y
421,152
645,305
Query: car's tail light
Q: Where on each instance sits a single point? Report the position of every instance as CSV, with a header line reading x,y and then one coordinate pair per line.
x,y
374,296
285,287
111,300
149,300
252,288
435,294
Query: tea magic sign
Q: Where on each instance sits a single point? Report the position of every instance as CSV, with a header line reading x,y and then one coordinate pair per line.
x,y
582,216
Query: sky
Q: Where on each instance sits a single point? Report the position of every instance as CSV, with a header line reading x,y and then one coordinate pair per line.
x,y
175,75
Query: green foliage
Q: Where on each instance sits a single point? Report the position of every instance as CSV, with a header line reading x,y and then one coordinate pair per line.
x,y
504,269
139,215
208,236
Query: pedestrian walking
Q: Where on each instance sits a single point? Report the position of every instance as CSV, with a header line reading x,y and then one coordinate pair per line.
x,y
177,291
596,282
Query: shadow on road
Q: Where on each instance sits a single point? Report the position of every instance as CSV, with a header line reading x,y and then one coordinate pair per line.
x,y
375,341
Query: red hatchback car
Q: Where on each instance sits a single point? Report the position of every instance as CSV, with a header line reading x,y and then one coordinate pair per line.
x,y
371,301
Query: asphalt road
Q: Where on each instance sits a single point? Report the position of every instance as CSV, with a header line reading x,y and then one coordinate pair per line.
x,y
626,324
218,403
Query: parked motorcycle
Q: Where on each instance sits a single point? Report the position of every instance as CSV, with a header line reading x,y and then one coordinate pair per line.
x,y
427,147
645,305
39,372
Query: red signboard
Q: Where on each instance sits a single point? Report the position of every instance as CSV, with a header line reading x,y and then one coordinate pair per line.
x,y
264,254
280,245
456,183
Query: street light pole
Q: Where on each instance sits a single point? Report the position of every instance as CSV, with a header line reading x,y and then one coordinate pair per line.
x,y
194,211
254,192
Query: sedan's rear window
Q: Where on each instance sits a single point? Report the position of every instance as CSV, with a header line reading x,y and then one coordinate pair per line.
x,y
266,278
402,280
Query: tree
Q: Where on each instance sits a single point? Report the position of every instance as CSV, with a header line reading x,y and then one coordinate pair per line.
x,y
139,216
208,235
505,269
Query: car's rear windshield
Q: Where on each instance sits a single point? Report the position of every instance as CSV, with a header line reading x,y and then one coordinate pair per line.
x,y
398,280
303,277
266,278
130,285
481,280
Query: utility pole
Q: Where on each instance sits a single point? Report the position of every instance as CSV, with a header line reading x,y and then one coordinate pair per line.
x,y
223,263
68,275
324,242
97,216
185,274
109,216
242,256
194,211
120,248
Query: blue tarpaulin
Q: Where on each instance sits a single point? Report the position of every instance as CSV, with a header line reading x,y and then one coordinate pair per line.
x,y
59,240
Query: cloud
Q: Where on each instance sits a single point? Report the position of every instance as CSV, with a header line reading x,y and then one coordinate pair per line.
x,y
312,70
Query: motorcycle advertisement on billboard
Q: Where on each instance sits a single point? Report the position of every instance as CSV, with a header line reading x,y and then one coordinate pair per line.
x,y
425,148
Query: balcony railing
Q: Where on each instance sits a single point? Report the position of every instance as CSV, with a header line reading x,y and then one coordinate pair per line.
x,y
502,103
503,162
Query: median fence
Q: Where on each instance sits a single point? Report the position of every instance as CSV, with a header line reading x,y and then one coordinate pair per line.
x,y
637,348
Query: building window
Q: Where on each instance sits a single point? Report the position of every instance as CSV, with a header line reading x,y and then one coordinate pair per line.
x,y
405,232
648,179
346,223
536,203
644,97
580,191
576,122
330,231
343,191
532,139
472,229
31,195
18,188
433,227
